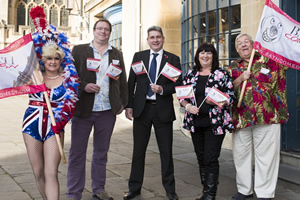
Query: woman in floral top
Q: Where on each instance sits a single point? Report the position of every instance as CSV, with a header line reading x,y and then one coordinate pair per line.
x,y
257,121
209,123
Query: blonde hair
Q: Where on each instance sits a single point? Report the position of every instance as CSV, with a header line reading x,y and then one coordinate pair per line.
x,y
51,50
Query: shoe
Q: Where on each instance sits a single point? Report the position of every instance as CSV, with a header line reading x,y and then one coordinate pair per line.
x,y
240,196
103,195
172,196
131,195
263,198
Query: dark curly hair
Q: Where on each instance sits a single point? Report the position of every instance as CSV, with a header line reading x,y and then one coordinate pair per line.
x,y
206,47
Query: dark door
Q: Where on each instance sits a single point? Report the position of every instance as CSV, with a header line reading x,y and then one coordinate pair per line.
x,y
291,130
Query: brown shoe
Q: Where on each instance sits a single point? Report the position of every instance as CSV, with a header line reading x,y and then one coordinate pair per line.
x,y
103,195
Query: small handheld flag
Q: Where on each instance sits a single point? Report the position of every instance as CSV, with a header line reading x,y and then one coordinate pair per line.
x,y
113,71
139,68
170,72
217,96
184,92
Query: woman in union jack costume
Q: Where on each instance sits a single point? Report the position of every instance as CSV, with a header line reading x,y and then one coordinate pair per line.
x,y
61,80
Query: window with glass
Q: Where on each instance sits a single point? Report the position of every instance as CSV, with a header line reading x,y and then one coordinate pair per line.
x,y
116,36
58,15
215,21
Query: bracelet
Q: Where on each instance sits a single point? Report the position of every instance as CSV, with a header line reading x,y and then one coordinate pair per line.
x,y
186,106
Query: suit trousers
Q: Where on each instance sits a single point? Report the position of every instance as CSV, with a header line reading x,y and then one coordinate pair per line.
x,y
264,142
164,137
103,123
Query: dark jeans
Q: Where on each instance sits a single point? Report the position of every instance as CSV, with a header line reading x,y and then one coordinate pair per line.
x,y
207,147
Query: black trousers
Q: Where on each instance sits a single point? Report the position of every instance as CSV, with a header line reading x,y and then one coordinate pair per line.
x,y
207,147
141,135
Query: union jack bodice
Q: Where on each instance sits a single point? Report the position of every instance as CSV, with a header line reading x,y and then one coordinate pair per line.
x,y
36,121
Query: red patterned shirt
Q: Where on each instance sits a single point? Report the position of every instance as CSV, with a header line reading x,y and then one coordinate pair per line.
x,y
264,100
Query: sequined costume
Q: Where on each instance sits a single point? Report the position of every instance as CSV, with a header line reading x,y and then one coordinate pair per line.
x,y
37,121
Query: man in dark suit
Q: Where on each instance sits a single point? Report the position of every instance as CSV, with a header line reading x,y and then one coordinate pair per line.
x,y
151,103
101,98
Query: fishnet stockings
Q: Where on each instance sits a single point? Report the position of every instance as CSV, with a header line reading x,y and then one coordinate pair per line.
x,y
44,159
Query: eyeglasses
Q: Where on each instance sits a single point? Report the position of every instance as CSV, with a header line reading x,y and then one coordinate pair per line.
x,y
101,29
53,58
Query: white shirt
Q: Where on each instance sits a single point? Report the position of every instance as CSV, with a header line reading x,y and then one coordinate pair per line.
x,y
158,62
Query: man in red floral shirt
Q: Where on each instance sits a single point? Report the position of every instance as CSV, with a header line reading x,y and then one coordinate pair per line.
x,y
257,121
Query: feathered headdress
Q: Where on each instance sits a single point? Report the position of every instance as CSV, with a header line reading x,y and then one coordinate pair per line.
x,y
45,34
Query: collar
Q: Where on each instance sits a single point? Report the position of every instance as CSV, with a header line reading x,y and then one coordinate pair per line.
x,y
160,52
109,47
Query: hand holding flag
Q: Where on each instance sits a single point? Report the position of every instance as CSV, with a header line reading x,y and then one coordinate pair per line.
x,y
277,38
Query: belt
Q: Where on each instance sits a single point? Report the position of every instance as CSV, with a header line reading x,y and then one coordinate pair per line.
x,y
41,103
153,102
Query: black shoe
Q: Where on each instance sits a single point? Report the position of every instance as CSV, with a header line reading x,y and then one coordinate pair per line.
x,y
131,195
240,196
263,198
172,196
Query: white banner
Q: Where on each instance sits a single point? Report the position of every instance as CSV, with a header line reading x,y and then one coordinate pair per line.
x,y
19,69
278,36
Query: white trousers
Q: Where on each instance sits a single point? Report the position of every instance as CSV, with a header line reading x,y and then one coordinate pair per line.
x,y
264,141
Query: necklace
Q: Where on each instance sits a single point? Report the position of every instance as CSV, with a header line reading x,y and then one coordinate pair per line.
x,y
53,77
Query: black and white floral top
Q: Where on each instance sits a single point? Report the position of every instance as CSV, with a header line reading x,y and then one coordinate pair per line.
x,y
220,118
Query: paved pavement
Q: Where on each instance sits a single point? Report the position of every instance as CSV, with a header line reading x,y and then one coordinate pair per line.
x,y
17,182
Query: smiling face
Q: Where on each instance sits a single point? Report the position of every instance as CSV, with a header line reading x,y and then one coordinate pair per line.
x,y
155,40
52,63
206,59
101,32
244,47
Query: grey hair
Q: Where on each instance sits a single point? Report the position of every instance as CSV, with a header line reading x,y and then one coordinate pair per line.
x,y
155,28
241,35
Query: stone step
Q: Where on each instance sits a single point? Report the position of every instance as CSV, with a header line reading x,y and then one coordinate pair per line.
x,y
289,169
291,158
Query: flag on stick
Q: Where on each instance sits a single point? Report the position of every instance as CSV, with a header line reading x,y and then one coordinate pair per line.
x,y
278,36
19,69
170,72
217,96
184,92
114,71
138,68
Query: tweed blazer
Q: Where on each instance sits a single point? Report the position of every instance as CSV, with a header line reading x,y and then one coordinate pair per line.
x,y
118,90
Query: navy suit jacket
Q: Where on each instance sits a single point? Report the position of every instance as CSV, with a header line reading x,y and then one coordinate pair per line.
x,y
138,85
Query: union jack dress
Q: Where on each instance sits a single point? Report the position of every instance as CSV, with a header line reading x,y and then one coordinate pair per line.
x,y
36,121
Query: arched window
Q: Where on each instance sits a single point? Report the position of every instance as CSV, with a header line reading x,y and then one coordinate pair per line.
x,y
64,16
53,16
55,11
30,23
21,13
48,2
